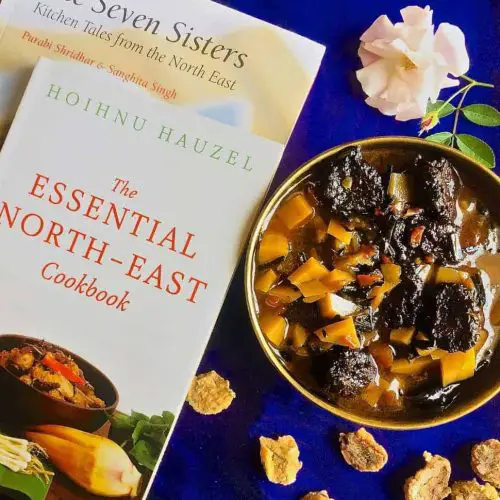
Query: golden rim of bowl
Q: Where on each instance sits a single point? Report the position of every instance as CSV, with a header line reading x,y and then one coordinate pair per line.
x,y
269,208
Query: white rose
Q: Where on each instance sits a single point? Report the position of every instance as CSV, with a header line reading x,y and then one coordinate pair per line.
x,y
406,64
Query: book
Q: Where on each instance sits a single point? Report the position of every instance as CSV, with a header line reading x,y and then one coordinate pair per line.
x,y
122,220
195,53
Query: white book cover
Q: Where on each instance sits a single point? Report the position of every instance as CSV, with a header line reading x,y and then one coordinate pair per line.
x,y
122,220
194,53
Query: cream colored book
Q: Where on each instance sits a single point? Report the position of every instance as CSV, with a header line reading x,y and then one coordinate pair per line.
x,y
122,219
194,53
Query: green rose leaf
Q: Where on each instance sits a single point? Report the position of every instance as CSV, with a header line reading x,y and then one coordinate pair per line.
x,y
476,149
447,108
482,114
440,138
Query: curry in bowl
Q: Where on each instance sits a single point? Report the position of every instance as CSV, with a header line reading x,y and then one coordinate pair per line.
x,y
52,372
370,283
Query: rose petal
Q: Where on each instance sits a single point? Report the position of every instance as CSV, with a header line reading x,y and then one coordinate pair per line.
x,y
449,82
385,48
366,57
398,90
450,43
417,16
381,28
430,85
418,39
411,111
373,78
385,107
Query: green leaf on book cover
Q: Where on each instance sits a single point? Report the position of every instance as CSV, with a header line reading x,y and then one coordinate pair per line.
x,y
143,436
168,418
440,138
156,419
145,454
476,149
19,485
121,421
136,417
482,114
447,108
138,431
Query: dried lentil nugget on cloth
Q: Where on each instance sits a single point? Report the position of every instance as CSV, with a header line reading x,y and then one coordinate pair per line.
x,y
485,461
362,452
280,459
210,394
431,481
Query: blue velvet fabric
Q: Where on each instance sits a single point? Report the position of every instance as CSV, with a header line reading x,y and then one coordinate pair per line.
x,y
218,457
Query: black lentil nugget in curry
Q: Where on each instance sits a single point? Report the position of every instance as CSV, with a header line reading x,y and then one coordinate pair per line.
x,y
442,241
427,226
344,372
305,314
349,185
403,305
455,317
437,188
398,239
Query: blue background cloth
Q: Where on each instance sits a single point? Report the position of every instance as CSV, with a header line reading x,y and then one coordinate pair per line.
x,y
218,457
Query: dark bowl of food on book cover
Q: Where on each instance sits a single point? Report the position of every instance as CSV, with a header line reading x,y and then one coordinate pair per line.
x,y
42,383
373,282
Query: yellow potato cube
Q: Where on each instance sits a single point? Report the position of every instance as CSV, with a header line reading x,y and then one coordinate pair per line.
x,y
426,352
450,275
391,272
338,231
272,246
274,328
312,269
298,335
285,293
275,225
265,280
378,293
439,353
402,335
321,228
295,211
336,280
313,288
332,305
458,366
340,333
416,366
373,392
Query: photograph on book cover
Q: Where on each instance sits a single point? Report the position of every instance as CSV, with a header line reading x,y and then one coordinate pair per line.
x,y
122,222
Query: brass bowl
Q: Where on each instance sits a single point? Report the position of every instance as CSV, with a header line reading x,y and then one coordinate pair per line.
x,y
380,151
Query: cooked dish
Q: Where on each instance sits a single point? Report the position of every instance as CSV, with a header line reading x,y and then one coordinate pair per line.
x,y
52,372
369,283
